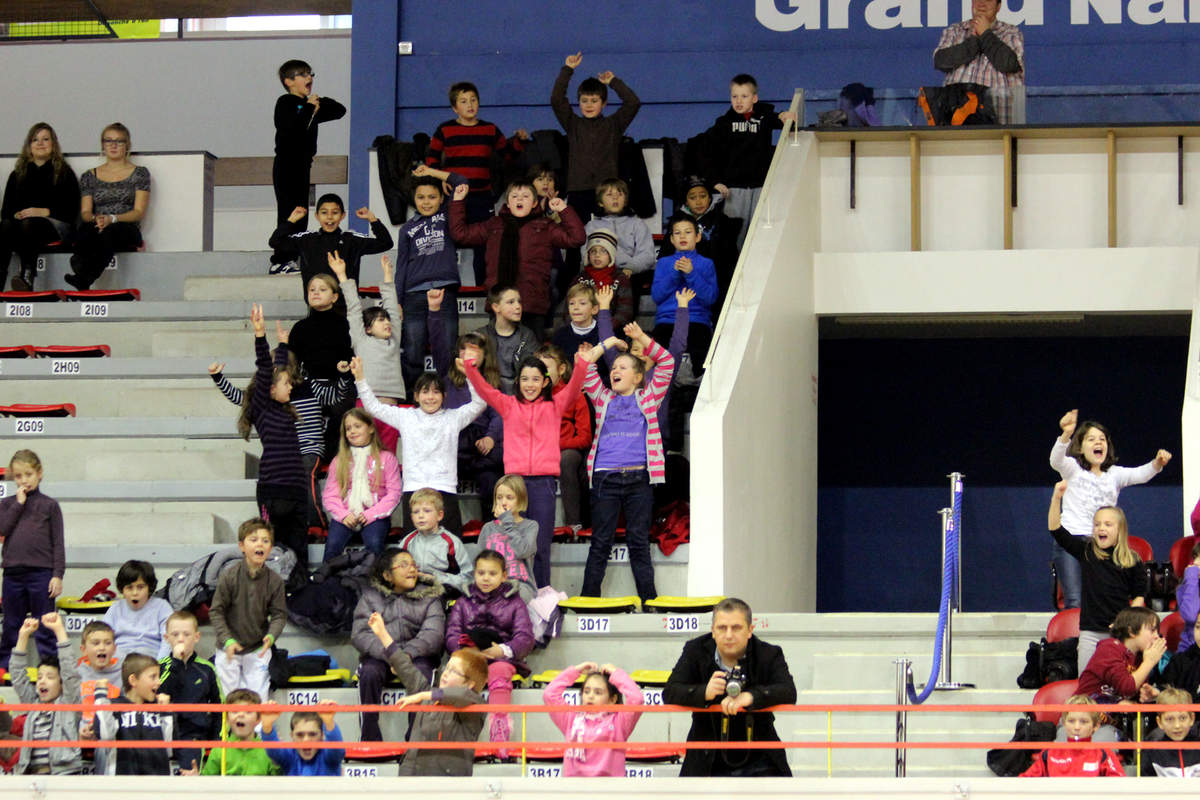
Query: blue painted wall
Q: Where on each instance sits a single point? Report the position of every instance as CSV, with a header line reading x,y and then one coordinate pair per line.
x,y
678,56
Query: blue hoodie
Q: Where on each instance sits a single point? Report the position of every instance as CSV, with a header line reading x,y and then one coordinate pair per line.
x,y
325,762
702,280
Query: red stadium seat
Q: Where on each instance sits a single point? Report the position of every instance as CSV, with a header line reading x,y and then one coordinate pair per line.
x,y
44,296
1181,554
77,350
1053,694
1171,628
649,753
1140,546
103,294
369,291
472,291
17,351
38,410
1063,625
356,752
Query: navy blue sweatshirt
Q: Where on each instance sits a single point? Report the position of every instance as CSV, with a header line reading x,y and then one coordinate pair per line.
x,y
280,470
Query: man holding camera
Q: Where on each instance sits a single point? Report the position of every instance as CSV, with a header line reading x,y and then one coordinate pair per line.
x,y
742,673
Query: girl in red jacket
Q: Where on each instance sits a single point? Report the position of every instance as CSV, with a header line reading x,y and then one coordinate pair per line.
x,y
574,437
532,422
1081,763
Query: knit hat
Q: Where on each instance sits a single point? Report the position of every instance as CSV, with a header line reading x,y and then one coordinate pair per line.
x,y
692,181
603,237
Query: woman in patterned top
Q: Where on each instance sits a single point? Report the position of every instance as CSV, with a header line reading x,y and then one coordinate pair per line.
x,y
114,200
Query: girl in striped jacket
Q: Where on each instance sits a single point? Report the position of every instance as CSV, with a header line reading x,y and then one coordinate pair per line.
x,y
626,458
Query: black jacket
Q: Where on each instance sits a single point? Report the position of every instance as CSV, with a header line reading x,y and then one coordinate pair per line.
x,y
1170,763
738,149
768,680
193,681
1183,672
313,247
296,126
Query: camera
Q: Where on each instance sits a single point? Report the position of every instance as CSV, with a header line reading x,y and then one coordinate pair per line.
x,y
735,681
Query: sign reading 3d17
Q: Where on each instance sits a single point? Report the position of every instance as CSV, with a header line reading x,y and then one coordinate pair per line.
x,y
790,15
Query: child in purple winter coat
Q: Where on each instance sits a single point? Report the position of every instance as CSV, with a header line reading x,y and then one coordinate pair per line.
x,y
604,685
492,617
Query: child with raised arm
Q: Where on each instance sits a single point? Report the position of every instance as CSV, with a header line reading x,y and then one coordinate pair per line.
x,y
1085,456
626,459
1079,726
377,340
672,435
307,726
511,535
602,686
593,140
57,682
574,438
33,555
461,684
241,725
428,435
532,420
99,667
298,112
187,678
139,619
363,487
520,242
248,612
282,482
1174,726
1112,574
139,677
492,617
738,149
580,326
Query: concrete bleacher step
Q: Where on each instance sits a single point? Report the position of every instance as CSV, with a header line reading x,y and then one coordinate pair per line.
x,y
157,369
161,275
92,428
257,288
114,397
92,528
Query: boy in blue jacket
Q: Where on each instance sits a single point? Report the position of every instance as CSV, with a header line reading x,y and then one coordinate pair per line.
x,y
685,268
426,259
307,726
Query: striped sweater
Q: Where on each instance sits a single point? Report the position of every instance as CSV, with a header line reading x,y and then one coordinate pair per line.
x,y
280,465
468,150
648,398
309,398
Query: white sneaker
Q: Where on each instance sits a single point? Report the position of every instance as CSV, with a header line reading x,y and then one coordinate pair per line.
x,y
288,268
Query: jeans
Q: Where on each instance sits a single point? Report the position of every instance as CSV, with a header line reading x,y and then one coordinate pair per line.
x,y
572,479
289,178
614,491
480,207
415,336
26,592
373,536
1070,576
541,490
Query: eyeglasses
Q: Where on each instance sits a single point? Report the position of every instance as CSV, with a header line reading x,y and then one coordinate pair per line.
x,y
449,670
304,75
113,141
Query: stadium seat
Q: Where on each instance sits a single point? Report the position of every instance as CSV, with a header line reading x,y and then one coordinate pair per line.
x,y
17,351
601,605
1181,554
76,350
544,677
66,603
542,752
38,410
1063,625
650,677
43,296
360,752
654,753
369,291
331,677
1171,628
103,294
472,291
1053,694
1140,546
683,605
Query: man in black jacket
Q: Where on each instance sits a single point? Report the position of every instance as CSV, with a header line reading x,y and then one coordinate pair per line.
x,y
704,676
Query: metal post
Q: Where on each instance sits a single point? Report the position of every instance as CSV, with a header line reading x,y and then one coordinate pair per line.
x,y
903,679
956,491
946,680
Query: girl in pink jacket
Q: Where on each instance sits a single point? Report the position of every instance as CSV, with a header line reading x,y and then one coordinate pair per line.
x,y
363,487
604,685
532,419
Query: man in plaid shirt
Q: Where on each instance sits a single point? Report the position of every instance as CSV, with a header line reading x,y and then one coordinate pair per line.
x,y
984,51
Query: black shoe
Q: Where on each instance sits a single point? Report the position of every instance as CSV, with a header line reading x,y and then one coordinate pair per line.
x,y
75,281
23,281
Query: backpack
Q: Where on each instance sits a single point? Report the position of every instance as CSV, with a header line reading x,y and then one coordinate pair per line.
x,y
1010,763
325,604
196,583
957,104
1047,662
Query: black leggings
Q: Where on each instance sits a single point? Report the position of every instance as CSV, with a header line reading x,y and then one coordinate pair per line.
x,y
26,238
94,248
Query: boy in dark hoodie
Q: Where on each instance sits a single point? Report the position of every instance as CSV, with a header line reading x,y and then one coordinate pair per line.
x,y
1183,670
739,150
312,248
1175,726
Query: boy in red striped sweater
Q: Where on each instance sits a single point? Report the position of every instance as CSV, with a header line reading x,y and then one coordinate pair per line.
x,y
465,145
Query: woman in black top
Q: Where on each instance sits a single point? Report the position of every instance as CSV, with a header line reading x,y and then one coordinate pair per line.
x,y
41,202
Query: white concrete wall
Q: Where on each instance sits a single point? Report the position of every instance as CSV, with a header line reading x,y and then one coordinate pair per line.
x,y
190,94
754,426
